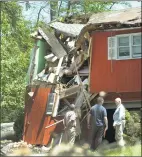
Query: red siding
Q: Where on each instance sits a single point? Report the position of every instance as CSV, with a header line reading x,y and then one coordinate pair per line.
x,y
125,75
35,132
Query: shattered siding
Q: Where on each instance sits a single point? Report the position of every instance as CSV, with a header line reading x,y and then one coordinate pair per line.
x,y
42,52
36,120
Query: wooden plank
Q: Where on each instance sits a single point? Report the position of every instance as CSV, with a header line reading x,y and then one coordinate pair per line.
x,y
93,96
84,91
48,57
59,66
79,100
90,54
88,102
54,59
69,92
67,102
54,123
61,138
51,78
50,38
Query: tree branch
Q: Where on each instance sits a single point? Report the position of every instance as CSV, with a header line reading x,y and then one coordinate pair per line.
x,y
41,8
112,5
59,8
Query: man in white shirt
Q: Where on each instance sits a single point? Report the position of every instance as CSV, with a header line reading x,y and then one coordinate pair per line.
x,y
70,125
119,121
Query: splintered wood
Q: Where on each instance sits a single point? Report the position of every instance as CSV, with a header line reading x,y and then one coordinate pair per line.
x,y
63,61
58,50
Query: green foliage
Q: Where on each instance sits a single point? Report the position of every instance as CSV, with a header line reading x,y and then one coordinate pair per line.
x,y
82,7
61,9
19,124
126,151
84,150
15,48
133,127
90,6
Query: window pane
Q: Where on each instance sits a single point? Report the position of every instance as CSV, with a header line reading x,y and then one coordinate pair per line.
x,y
136,51
50,103
123,41
137,40
124,51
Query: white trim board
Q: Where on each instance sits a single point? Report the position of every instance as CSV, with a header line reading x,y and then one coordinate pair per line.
x,y
121,29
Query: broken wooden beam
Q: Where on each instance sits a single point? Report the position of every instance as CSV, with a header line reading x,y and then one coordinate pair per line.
x,y
59,66
54,123
49,57
67,102
54,59
51,78
62,110
88,102
70,91
50,38
93,96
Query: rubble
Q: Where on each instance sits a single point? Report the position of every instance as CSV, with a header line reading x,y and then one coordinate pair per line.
x,y
66,71
23,149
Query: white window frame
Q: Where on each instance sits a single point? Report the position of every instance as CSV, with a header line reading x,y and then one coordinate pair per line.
x,y
135,34
130,45
117,40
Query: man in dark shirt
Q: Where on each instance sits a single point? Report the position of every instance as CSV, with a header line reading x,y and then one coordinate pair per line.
x,y
98,123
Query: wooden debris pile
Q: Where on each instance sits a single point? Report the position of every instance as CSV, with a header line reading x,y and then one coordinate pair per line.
x,y
66,71
23,149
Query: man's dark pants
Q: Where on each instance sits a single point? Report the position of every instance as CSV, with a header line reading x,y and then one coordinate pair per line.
x,y
96,136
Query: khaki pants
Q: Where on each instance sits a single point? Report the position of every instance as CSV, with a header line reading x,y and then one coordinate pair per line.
x,y
119,133
70,135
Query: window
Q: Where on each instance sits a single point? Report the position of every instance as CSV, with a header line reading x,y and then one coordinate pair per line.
x,y
52,104
136,46
124,46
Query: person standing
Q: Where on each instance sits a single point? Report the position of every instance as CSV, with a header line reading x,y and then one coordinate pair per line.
x,y
70,125
119,122
98,123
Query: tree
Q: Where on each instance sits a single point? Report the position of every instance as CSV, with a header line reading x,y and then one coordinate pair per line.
x,y
64,8
15,48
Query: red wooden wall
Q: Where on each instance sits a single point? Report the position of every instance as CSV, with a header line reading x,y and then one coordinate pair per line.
x,y
126,74
36,120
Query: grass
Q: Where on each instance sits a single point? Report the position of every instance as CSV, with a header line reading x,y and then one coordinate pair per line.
x,y
125,151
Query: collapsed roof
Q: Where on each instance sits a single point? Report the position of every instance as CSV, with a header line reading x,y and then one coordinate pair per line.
x,y
129,17
72,30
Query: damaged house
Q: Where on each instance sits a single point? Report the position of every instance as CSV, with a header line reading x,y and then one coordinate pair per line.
x,y
72,63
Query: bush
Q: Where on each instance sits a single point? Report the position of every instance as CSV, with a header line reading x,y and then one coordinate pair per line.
x,y
19,124
133,127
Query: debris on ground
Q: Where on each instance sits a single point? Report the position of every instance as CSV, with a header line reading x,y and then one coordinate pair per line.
x,y
22,149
